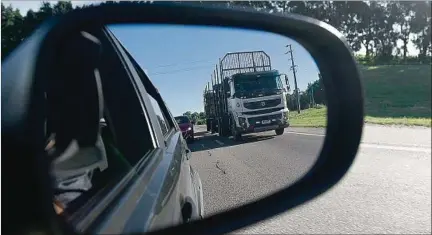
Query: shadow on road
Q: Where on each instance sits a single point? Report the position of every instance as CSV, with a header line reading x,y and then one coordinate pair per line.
x,y
200,133
206,141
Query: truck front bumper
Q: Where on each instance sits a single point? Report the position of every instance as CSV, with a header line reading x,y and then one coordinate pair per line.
x,y
264,123
269,128
253,129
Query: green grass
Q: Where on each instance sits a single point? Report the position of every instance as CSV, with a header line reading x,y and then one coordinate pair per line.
x,y
403,121
315,117
394,95
398,91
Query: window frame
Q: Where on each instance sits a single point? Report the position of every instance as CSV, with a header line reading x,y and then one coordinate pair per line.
x,y
169,128
162,106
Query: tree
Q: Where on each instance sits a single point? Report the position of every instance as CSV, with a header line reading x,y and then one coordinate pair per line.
x,y
16,28
62,8
202,115
421,26
404,12
374,26
317,89
188,114
11,27
194,116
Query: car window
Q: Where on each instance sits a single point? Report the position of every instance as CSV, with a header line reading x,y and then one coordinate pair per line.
x,y
132,127
163,116
125,139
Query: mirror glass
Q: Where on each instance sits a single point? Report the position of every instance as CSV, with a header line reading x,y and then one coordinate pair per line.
x,y
252,136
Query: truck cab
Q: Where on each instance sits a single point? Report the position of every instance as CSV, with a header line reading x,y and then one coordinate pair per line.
x,y
257,102
246,95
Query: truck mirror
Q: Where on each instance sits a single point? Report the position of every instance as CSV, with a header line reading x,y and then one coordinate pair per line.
x,y
287,82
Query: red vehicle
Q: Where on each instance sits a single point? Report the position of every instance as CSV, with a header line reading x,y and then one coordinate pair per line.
x,y
186,127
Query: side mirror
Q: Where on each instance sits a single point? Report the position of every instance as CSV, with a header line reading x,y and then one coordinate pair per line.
x,y
23,125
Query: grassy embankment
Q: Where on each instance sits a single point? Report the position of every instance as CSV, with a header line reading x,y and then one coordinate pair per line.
x,y
395,95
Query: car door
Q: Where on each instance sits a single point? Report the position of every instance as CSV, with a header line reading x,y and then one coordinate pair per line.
x,y
180,195
148,191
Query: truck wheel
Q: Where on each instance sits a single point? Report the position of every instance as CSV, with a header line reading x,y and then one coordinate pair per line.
x,y
236,135
225,130
208,125
220,128
280,131
226,126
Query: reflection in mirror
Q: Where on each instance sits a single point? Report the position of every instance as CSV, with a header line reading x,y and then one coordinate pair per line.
x,y
227,93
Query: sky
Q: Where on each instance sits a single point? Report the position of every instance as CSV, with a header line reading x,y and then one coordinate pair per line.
x,y
179,60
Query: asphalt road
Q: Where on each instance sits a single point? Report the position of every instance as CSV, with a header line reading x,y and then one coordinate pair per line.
x,y
387,190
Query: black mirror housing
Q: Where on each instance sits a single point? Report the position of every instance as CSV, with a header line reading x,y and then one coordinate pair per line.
x,y
23,138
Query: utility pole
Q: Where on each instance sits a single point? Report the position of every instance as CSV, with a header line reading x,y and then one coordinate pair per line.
x,y
293,68
312,96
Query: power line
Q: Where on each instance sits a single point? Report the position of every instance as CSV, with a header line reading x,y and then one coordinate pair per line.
x,y
187,69
180,70
191,62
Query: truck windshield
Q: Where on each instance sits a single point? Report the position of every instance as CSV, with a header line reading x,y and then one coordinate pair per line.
x,y
182,119
254,83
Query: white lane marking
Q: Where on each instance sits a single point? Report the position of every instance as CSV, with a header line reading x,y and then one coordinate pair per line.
x,y
302,133
412,149
378,146
220,143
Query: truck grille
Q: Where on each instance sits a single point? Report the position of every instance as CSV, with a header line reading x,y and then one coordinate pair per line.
x,y
253,121
262,104
262,111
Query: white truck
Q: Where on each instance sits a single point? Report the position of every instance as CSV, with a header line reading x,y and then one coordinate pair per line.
x,y
247,95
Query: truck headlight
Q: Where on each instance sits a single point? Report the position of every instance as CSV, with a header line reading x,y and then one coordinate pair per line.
x,y
189,128
238,105
242,121
285,115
